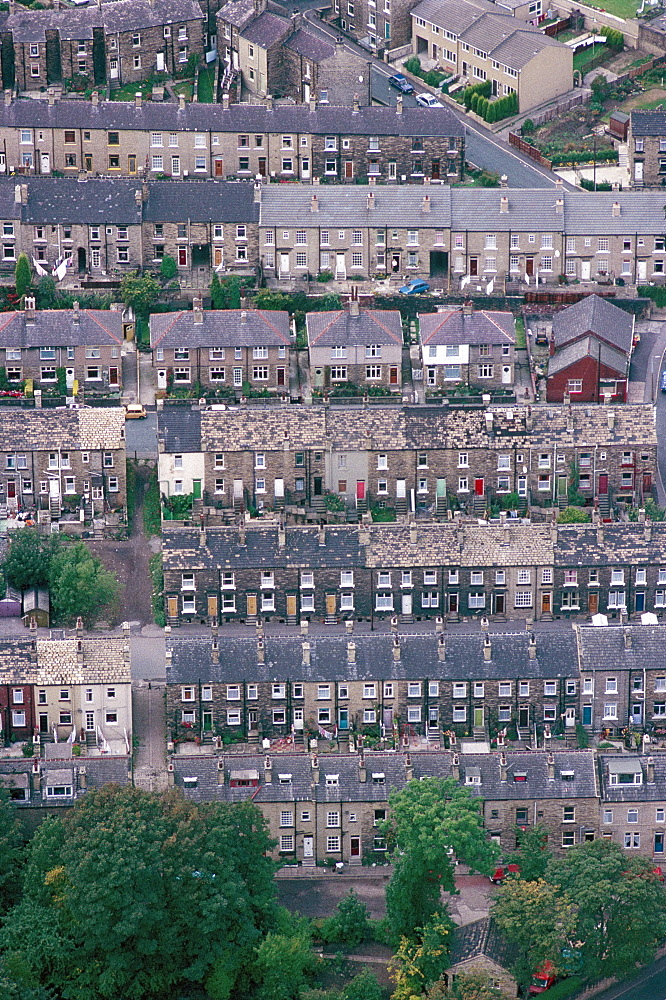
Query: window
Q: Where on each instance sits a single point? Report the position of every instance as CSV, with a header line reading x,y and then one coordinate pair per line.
x,y
333,845
459,689
332,819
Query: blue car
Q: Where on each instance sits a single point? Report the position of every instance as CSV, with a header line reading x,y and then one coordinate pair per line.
x,y
400,82
415,287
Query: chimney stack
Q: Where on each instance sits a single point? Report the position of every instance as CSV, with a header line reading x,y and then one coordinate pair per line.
x,y
398,105
455,767
314,203
95,98
362,773
137,99
396,649
532,646
371,201
261,651
225,100
197,310
425,203
355,104
354,309
559,206
616,210
486,647
29,310
502,767
650,770
306,652
551,767
351,652
441,648
504,204
268,770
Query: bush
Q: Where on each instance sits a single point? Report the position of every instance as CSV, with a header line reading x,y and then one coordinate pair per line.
x,y
157,576
573,515
528,127
413,65
349,925
655,292
325,276
168,267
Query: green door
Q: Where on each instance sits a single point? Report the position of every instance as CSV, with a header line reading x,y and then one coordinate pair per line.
x,y
196,489
478,718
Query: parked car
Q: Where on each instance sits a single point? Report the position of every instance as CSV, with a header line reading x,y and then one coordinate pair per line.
x,y
415,287
501,872
400,82
543,979
662,382
135,411
428,101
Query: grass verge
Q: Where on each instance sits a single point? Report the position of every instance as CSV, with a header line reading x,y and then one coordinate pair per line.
x,y
157,599
152,518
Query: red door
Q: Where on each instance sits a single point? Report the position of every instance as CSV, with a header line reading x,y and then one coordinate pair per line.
x,y
360,489
647,482
603,484
349,170
354,847
113,376
478,487
182,256
280,376
393,376
435,170
11,488
529,266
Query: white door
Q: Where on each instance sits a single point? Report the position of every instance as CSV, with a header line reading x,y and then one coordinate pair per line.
x,y
406,604
400,489
340,266
298,718
506,374
161,378
159,65
570,718
3,163
585,270
308,847
305,168
113,68
69,377
642,270
238,378
638,171
46,163
54,488
284,265
90,722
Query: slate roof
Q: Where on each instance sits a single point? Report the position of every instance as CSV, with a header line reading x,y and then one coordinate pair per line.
x,y
653,791
181,430
527,209
455,15
594,315
40,430
201,201
60,328
221,328
266,30
408,428
625,648
341,328
481,938
454,326
53,201
588,347
15,772
191,658
118,17
637,215
237,12
350,203
310,46
611,545
55,661
648,122
295,118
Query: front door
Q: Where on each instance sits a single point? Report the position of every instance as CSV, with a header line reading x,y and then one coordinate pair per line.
x,y
354,847
172,607
506,374
219,167
393,375
207,721
658,843
603,484
196,489
478,718
43,722
90,722
284,265
159,62
474,266
499,604
524,716
212,606
529,267
561,486
395,262
406,604
308,847
87,162
318,484
343,718
330,605
113,67
587,715
640,602
131,164
545,604
637,714
593,604
305,168
642,270
478,487
638,171
435,171
570,718
280,377
298,718
340,265
647,482
349,170
262,166
46,163
584,270
113,376
253,719
161,378
11,489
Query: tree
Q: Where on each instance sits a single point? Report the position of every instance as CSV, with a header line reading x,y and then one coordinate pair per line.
x,y
168,267
133,895
11,852
619,903
28,561
538,920
46,292
573,515
284,964
225,294
421,959
22,275
363,987
80,586
532,854
139,292
466,986
349,925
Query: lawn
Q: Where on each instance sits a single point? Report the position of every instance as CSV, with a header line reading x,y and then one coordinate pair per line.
x,y
206,83
185,88
621,8
129,90
583,57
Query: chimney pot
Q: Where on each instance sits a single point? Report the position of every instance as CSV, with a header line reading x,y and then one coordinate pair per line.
x,y
504,204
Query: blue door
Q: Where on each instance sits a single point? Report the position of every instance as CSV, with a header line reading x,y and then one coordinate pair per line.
x,y
587,715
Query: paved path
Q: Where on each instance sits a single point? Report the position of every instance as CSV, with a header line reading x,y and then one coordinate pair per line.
x,y
149,724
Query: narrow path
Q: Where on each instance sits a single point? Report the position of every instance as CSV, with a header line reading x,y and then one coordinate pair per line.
x,y
149,727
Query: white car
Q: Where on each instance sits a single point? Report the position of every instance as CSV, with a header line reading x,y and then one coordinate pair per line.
x,y
428,101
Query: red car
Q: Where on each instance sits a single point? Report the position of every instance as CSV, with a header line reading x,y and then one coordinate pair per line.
x,y
502,871
543,979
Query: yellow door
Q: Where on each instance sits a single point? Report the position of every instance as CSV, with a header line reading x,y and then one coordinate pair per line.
x,y
172,607
330,604
212,606
252,605
291,605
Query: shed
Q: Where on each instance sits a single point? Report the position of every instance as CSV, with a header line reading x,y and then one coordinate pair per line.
x,y
618,125
37,605
10,604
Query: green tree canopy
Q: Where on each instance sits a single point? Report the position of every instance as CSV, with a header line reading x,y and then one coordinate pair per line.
x,y
134,895
422,958
28,560
139,292
532,854
466,986
22,275
79,584
11,853
225,293
573,515
168,267
350,924
285,962
363,987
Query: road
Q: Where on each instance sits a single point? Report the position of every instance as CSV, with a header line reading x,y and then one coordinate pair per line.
x,y
646,367
141,437
649,984
483,148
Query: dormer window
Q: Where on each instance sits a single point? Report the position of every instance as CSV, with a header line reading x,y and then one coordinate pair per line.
x,y
332,780
520,776
284,779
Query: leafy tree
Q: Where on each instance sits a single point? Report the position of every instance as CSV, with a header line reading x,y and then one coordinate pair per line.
x,y
13,988
133,894
363,987
139,292
532,855
28,561
466,986
421,960
413,896
620,906
22,275
538,920
46,292
349,925
573,515
168,267
225,294
11,852
79,584
284,964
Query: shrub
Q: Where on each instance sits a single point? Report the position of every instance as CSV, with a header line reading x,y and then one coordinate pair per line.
x,y
413,65
474,102
168,267
573,515
528,127
325,276
349,924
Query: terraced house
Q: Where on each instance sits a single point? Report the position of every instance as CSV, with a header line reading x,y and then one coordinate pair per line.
x,y
233,141
416,459
421,683
116,42
49,459
422,570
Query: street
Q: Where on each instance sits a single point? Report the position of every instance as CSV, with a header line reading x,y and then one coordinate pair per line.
x,y
141,437
649,984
